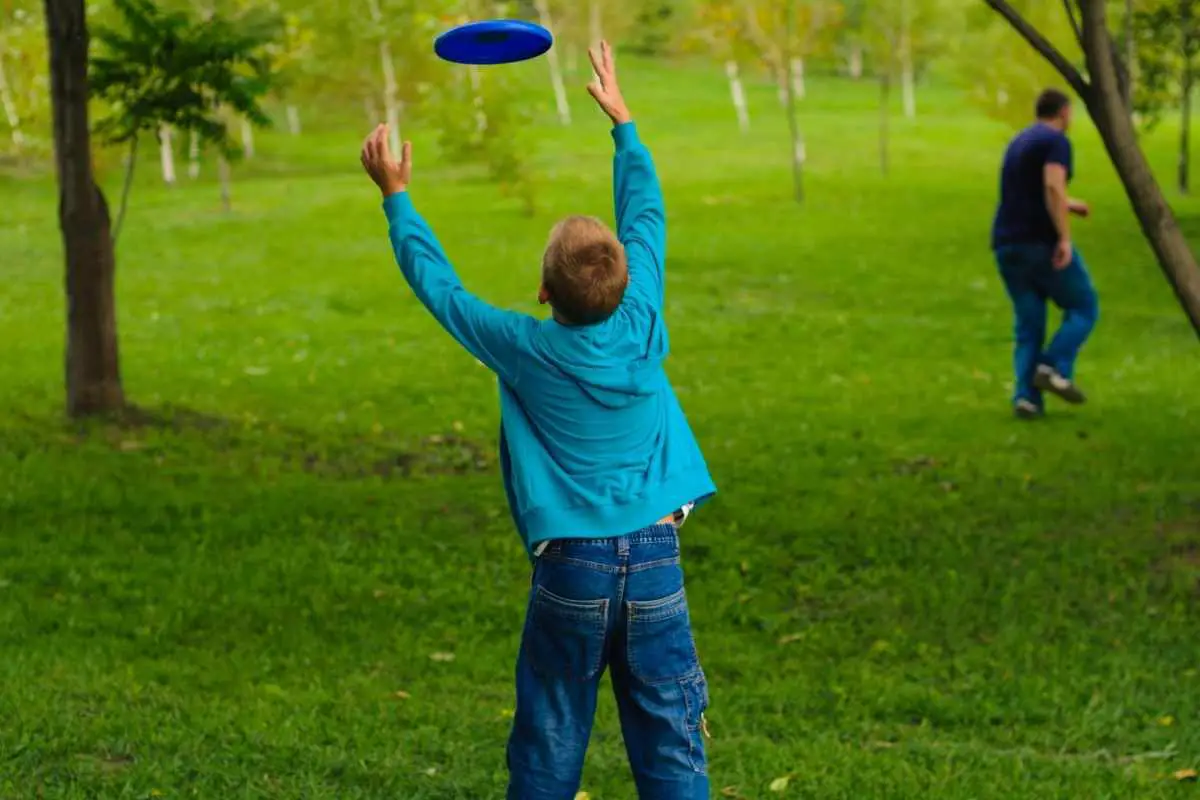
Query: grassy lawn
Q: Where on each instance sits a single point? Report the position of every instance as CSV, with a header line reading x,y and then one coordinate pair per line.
x,y
293,576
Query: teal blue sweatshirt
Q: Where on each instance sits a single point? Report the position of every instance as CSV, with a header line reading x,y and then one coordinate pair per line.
x,y
593,442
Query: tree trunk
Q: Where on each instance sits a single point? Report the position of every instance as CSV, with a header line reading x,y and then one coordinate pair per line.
x,y
855,62
391,105
1158,222
93,374
293,118
595,27
130,166
789,87
1130,55
556,75
595,22
247,139
10,107
166,155
193,156
225,176
738,93
798,86
908,87
481,121
885,99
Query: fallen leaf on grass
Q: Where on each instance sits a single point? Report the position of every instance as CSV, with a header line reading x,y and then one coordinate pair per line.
x,y
402,695
582,796
431,771
1166,721
791,637
730,791
441,657
1186,775
780,784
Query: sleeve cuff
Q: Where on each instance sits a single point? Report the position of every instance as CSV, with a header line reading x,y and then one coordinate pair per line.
x,y
625,135
397,205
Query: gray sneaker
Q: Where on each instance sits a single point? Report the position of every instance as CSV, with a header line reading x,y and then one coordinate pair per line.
x,y
1048,379
1024,409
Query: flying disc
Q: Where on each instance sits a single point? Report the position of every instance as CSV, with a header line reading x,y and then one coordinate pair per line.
x,y
493,41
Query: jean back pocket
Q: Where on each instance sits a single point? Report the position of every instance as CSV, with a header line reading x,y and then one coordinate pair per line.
x,y
661,647
565,638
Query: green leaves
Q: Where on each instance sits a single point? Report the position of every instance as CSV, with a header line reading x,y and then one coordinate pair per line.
x,y
166,68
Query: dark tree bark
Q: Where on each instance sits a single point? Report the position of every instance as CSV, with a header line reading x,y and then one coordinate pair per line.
x,y
1102,95
92,368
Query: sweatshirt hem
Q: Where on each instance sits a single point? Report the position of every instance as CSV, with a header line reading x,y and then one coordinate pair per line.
x,y
602,522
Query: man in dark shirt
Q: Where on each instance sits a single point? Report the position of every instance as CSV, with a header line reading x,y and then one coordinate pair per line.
x,y
1031,237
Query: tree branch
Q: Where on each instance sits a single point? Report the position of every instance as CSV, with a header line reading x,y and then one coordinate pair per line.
x,y
1042,46
1069,5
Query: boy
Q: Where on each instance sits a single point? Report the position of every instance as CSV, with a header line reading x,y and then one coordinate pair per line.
x,y
1031,237
599,466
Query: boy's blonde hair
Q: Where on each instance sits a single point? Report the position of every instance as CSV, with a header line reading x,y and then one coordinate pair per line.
x,y
584,270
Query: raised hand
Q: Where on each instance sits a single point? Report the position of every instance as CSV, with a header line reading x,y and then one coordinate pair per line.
x,y
605,89
390,176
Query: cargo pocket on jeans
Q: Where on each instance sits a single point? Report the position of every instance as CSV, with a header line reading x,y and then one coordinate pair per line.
x,y
566,637
660,645
695,696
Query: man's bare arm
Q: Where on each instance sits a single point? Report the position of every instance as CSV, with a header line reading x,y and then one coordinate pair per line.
x,y
1058,203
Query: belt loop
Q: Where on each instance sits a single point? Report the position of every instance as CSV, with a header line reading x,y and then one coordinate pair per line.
x,y
623,546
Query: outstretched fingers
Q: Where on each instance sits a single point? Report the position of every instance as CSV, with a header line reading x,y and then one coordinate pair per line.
x,y
597,59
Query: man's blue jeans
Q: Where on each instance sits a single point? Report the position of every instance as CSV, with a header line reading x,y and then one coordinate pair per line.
x,y
616,603
1031,280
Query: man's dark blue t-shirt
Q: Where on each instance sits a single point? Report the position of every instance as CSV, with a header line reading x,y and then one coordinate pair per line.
x,y
1022,217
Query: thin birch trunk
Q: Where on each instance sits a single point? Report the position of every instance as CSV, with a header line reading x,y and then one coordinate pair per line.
x,y
391,106
293,118
738,94
556,76
166,154
10,107
908,87
193,156
247,139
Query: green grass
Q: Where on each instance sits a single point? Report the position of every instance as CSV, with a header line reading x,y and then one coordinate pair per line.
x,y
900,592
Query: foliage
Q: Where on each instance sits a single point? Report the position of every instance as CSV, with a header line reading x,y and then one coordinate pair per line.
x,y
166,68
1167,37
480,120
653,27
1001,73
24,57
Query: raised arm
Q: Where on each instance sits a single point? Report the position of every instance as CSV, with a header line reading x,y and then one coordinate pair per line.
x,y
637,196
492,335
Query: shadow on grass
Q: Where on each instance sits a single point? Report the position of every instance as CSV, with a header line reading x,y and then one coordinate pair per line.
x,y
171,432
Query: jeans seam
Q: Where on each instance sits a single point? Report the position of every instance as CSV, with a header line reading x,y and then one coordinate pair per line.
x,y
688,684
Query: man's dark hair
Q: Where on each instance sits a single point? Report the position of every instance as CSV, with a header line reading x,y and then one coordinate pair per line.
x,y
1050,103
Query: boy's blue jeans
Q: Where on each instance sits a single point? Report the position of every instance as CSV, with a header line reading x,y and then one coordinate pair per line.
x,y
615,603
1031,280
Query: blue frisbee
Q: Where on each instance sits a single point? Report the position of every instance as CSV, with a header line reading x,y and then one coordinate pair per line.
x,y
493,41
